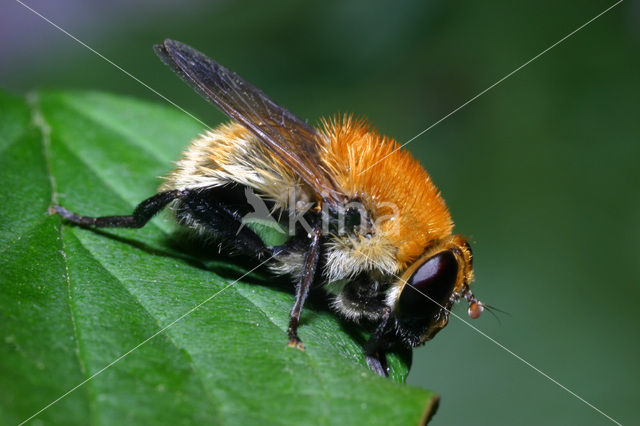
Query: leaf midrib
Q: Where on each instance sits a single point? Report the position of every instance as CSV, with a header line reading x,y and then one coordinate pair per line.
x,y
80,353
171,340
39,122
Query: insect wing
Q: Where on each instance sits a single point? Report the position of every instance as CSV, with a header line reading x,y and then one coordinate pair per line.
x,y
290,138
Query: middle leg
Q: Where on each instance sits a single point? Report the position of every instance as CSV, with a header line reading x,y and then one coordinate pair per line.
x,y
201,208
304,284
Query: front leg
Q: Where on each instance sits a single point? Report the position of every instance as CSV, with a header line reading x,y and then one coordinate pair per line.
x,y
376,347
303,285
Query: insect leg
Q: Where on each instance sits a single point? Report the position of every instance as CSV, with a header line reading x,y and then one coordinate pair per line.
x,y
200,207
375,347
141,215
302,288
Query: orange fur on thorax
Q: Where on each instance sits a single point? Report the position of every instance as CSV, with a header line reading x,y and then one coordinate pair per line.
x,y
396,178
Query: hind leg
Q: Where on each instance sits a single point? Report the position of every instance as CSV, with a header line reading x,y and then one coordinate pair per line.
x,y
141,215
197,208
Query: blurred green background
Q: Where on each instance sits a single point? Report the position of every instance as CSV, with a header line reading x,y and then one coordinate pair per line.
x,y
541,172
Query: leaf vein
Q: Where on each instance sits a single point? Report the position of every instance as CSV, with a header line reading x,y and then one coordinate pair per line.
x,y
99,121
167,334
314,366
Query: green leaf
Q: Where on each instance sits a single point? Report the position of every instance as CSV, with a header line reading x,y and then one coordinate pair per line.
x,y
74,300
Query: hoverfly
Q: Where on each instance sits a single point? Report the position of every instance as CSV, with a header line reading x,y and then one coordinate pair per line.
x,y
391,260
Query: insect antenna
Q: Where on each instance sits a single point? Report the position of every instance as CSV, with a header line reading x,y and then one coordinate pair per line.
x,y
493,311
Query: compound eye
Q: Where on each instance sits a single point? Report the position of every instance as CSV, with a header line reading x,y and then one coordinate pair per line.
x,y
433,282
